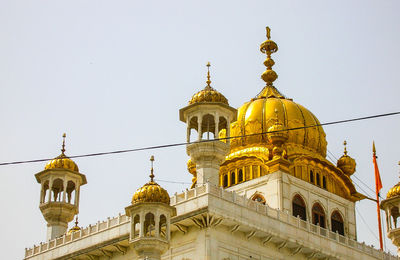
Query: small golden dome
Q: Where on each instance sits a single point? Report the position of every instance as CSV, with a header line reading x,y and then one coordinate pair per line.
x,y
394,191
151,191
346,163
191,166
74,228
208,94
62,161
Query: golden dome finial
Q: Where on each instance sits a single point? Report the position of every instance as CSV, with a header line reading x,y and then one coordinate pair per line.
x,y
151,171
268,47
208,75
345,149
63,144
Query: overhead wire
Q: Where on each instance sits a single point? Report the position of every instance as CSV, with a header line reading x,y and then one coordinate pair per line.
x,y
204,141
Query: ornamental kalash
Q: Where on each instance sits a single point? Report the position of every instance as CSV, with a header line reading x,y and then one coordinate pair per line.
x,y
262,188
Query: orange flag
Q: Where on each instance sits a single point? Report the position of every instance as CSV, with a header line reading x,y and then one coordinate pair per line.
x,y
378,182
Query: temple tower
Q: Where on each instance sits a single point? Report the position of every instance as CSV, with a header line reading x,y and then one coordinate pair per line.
x,y
150,214
391,206
210,115
59,195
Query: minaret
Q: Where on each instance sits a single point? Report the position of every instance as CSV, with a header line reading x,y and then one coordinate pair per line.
x,y
210,115
59,195
150,214
391,206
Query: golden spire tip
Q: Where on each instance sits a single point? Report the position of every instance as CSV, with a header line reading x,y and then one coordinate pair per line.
x,y
63,144
345,149
268,32
208,75
151,171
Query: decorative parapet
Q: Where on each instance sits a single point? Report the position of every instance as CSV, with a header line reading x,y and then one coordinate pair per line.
x,y
69,238
282,216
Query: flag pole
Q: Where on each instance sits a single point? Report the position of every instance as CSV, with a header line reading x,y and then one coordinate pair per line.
x,y
378,187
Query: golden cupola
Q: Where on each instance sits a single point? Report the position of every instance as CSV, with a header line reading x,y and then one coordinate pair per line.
x,y
208,94
346,163
151,191
394,191
258,115
62,161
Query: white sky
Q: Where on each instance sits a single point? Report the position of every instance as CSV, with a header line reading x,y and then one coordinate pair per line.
x,y
113,75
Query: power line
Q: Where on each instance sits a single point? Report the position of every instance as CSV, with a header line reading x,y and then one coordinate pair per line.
x,y
204,141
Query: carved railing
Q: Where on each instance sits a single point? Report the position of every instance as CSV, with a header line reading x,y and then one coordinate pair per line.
x,y
68,238
276,214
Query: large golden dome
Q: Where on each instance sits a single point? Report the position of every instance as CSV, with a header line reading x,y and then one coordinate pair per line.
x,y
259,114
62,161
151,191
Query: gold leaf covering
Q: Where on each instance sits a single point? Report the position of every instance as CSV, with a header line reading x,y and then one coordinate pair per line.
x,y
62,162
151,192
394,191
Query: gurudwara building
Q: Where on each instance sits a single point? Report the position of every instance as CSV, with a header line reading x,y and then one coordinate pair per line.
x,y
262,189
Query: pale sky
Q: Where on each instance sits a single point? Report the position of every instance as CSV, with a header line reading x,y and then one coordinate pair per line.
x,y
113,75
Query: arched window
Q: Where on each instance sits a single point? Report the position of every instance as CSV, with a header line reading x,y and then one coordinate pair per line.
x,y
311,176
149,225
337,223
324,182
71,191
240,175
394,212
318,215
163,226
45,192
299,207
233,179
136,226
318,179
259,198
225,180
58,187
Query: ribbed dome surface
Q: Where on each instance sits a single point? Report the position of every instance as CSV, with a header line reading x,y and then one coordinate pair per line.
x,y
208,94
258,115
62,162
151,192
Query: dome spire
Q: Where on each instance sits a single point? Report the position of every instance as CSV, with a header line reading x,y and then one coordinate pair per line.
x,y
268,47
345,149
152,171
208,75
63,144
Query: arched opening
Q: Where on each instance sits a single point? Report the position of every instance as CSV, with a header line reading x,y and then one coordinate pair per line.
x,y
233,178
193,129
324,182
57,188
240,175
318,215
394,212
259,198
318,179
45,192
311,176
299,207
163,226
149,225
136,226
337,223
225,180
71,192
208,127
